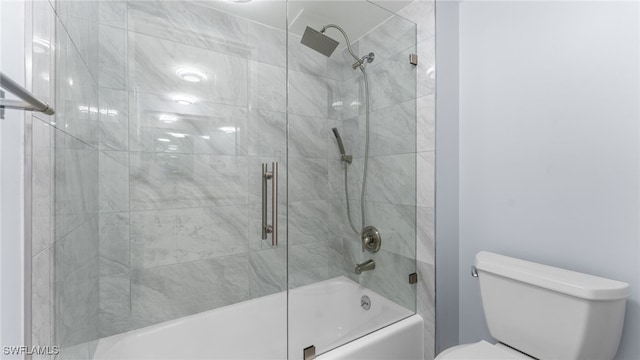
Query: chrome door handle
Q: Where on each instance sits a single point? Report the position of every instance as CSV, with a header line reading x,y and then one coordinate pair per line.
x,y
274,204
265,177
273,228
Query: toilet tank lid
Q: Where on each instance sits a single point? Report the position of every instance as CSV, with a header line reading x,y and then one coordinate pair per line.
x,y
568,282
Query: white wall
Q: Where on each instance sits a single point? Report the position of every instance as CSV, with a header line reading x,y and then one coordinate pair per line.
x,y
12,63
549,143
447,149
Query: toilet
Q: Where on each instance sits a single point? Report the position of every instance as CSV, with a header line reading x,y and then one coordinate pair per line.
x,y
543,312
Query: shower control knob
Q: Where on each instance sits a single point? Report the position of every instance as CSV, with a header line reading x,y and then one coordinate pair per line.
x,y
371,239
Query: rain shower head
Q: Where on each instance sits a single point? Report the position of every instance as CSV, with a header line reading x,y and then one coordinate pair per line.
x,y
319,42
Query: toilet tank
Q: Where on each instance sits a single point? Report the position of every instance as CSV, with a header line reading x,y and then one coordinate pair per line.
x,y
548,312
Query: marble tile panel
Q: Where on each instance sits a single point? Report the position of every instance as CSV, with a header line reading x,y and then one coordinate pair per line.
x,y
170,292
76,183
339,222
268,271
43,54
230,230
175,236
308,263
426,306
308,95
426,77
113,57
385,41
41,297
344,253
113,13
79,308
356,173
426,139
397,225
114,243
154,63
228,179
198,24
306,60
193,235
308,222
426,176
76,285
42,186
115,305
114,119
87,10
160,125
422,12
349,98
392,81
79,250
426,235
336,180
267,133
114,181
308,137
308,179
268,87
84,34
152,238
339,64
392,179
77,99
267,44
391,278
160,180
392,130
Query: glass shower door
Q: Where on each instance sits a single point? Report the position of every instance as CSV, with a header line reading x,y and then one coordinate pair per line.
x,y
351,119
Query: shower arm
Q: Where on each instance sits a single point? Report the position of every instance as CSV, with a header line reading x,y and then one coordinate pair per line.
x,y
359,61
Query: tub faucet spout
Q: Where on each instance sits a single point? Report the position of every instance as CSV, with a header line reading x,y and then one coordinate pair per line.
x,y
365,266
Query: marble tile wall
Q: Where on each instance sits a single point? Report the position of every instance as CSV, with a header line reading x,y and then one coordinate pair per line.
x,y
422,12
391,187
65,272
171,209
180,184
401,190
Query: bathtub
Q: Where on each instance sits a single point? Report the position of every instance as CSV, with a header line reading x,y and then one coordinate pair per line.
x,y
327,314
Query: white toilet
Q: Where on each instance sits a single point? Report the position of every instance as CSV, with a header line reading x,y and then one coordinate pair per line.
x,y
543,312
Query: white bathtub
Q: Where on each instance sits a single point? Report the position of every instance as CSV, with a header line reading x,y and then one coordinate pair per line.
x,y
324,314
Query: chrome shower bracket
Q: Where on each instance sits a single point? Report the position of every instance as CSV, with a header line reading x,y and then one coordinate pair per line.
x,y
367,59
371,239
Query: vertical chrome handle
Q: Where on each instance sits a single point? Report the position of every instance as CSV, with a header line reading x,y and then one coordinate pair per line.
x,y
264,201
273,228
274,204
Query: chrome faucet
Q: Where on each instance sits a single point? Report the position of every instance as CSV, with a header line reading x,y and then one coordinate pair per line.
x,y
365,266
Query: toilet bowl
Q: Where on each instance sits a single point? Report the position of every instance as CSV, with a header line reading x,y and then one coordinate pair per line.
x,y
536,311
481,350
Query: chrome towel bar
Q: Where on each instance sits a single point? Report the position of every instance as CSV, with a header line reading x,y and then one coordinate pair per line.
x,y
29,102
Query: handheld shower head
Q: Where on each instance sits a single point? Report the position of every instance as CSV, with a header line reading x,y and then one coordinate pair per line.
x,y
339,139
343,156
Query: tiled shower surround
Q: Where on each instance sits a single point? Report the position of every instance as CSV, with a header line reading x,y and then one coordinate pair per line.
x,y
157,204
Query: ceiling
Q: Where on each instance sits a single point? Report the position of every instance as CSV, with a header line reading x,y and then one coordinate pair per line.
x,y
356,17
